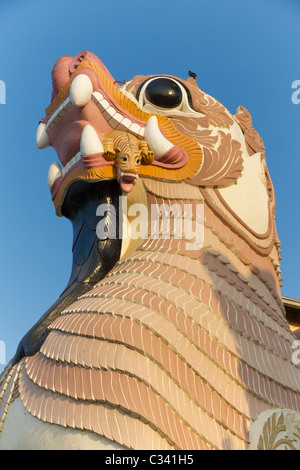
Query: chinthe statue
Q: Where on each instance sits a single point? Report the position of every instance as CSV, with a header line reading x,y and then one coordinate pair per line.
x,y
171,332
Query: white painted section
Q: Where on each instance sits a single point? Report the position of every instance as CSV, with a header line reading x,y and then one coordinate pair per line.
x,y
22,431
248,198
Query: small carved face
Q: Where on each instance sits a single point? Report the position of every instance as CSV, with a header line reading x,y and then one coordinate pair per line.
x,y
129,163
127,169
128,152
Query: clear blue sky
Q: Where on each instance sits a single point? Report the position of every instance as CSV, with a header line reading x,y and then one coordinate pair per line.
x,y
245,52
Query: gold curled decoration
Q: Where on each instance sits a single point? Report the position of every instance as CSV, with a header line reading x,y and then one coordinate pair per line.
x,y
281,431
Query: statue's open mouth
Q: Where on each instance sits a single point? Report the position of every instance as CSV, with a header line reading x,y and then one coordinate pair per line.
x,y
127,181
84,110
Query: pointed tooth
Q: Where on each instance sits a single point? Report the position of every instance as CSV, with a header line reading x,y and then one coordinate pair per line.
x,y
42,138
53,173
81,90
157,142
90,142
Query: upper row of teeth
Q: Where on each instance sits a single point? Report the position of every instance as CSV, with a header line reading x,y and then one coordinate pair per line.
x,y
81,93
115,119
132,175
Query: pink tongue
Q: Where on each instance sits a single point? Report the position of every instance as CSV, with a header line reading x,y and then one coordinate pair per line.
x,y
127,187
126,184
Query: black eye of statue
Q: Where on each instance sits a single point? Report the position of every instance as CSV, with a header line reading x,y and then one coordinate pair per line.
x,y
164,93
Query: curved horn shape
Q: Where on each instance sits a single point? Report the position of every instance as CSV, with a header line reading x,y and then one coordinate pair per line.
x,y
81,90
53,173
157,142
42,138
90,142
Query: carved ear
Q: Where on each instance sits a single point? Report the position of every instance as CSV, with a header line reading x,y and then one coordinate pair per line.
x,y
109,155
146,154
109,152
